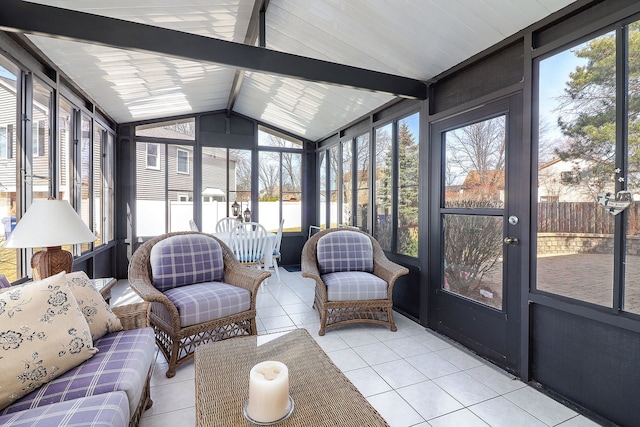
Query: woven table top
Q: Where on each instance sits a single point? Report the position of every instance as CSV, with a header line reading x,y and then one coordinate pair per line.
x,y
323,396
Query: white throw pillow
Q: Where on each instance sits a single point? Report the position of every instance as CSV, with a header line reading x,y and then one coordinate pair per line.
x,y
43,334
96,310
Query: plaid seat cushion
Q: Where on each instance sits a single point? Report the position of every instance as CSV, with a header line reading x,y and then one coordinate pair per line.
x,y
354,285
208,301
344,251
121,364
108,409
184,260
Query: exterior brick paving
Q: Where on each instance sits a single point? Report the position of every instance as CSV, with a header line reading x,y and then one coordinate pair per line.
x,y
589,277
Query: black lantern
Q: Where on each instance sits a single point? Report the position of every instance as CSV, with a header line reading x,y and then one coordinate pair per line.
x,y
247,215
235,208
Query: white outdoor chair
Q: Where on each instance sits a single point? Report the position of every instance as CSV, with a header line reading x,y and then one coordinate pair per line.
x,y
225,225
276,250
193,226
248,241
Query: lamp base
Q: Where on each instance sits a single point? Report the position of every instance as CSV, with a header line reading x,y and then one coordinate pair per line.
x,y
50,261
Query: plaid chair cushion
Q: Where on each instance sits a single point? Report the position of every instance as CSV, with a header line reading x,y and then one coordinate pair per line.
x,y
184,260
121,364
108,409
344,251
208,301
354,285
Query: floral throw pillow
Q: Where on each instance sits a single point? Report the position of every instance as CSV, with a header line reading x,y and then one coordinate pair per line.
x,y
43,334
96,311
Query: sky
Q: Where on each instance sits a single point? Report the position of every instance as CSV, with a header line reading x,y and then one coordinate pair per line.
x,y
554,75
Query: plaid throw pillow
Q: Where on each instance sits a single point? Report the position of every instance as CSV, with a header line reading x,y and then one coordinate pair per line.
x,y
186,259
344,251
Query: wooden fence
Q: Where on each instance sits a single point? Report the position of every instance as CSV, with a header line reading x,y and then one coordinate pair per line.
x,y
583,217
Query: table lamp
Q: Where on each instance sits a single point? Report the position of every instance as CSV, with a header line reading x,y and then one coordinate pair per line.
x,y
49,224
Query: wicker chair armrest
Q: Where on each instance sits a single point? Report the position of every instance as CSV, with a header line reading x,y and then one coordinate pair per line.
x,y
143,287
308,259
309,266
140,282
162,306
133,316
140,273
240,275
310,269
244,277
320,285
388,270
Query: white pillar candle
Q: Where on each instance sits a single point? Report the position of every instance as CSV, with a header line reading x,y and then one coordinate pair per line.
x,y
268,391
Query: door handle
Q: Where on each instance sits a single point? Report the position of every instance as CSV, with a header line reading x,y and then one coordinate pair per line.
x,y
511,240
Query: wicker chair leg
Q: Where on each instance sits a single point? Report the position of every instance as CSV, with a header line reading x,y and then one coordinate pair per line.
x,y
173,361
323,319
392,323
319,307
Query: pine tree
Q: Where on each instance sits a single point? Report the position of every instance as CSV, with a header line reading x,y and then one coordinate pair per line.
x,y
408,184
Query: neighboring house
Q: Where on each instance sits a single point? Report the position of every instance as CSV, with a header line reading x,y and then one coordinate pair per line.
x,y
480,185
567,181
40,137
169,167
150,159
362,182
452,191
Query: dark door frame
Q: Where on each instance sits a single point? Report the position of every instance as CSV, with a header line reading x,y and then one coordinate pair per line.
x,y
492,334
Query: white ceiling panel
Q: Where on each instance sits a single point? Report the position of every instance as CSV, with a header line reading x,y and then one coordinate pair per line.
x,y
418,39
132,86
226,20
310,110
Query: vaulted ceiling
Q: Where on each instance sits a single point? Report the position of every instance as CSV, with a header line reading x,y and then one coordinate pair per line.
x,y
369,52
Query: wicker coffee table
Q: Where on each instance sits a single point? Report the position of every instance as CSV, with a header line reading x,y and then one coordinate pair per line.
x,y
323,396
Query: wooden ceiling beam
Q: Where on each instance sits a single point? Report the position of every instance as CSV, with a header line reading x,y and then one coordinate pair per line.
x,y
32,18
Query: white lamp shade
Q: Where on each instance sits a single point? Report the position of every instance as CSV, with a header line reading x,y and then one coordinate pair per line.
x,y
49,223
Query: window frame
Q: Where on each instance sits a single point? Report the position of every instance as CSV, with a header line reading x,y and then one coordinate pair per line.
x,y
283,145
178,151
569,177
349,142
620,241
157,164
5,142
38,138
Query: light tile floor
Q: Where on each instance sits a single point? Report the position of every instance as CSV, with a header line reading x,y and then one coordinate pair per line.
x,y
413,377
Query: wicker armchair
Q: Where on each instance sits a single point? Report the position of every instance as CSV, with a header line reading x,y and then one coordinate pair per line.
x,y
240,283
360,278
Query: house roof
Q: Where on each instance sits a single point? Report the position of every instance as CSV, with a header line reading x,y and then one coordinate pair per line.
x,y
487,178
323,65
